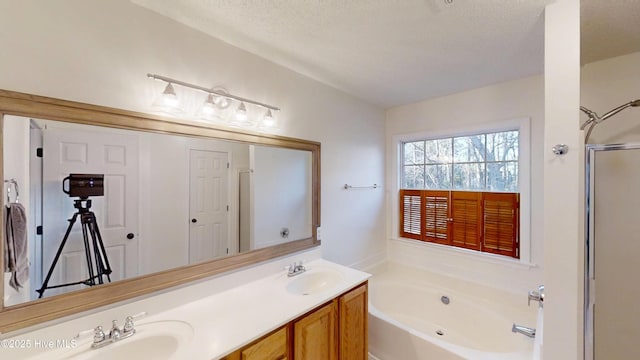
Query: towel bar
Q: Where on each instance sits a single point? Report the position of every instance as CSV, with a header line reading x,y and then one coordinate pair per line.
x,y
347,187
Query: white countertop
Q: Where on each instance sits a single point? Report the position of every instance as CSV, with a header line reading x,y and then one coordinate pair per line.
x,y
225,321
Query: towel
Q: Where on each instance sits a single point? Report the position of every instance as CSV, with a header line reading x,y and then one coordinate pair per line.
x,y
15,250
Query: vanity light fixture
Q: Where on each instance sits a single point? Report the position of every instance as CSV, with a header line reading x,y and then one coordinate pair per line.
x,y
214,106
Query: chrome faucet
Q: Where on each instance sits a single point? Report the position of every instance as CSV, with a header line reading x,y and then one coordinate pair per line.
x,y
296,269
537,296
101,339
526,331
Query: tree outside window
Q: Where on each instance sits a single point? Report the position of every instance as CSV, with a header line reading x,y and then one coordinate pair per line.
x,y
478,162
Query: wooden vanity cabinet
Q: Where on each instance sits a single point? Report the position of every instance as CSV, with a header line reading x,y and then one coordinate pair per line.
x,y
315,334
271,347
335,330
354,315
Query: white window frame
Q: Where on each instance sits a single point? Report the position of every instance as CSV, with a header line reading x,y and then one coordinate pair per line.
x,y
523,125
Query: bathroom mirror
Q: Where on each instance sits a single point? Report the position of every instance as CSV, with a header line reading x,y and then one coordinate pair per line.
x,y
181,201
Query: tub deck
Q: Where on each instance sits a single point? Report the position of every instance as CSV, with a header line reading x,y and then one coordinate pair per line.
x,y
409,320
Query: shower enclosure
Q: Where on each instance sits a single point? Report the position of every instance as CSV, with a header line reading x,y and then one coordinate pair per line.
x,y
612,263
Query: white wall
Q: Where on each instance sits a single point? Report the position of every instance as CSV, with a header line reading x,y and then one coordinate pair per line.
x,y
15,150
563,184
606,85
468,111
100,53
281,195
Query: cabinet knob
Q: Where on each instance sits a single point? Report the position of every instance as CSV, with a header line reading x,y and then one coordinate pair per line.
x,y
194,220
130,236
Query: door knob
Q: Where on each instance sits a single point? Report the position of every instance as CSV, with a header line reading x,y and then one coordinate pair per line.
x,y
130,236
194,220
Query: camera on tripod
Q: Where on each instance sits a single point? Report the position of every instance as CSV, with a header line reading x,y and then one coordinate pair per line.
x,y
84,185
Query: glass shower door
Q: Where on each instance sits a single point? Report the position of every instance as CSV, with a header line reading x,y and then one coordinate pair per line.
x,y
612,324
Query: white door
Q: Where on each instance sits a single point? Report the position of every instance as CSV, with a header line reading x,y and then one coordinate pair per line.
x,y
208,205
115,155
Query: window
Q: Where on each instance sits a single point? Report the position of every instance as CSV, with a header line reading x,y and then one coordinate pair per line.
x,y
462,192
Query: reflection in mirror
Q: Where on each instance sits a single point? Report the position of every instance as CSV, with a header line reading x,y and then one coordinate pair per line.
x,y
168,201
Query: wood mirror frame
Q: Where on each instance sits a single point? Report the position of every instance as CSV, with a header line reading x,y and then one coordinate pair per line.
x,y
37,311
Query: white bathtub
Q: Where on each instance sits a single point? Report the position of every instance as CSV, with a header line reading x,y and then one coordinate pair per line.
x,y
409,321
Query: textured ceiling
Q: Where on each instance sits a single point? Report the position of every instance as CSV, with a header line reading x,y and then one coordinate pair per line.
x,y
392,52
609,28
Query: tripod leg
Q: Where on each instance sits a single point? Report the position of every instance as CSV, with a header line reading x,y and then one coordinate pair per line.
x,y
103,253
45,284
91,281
100,271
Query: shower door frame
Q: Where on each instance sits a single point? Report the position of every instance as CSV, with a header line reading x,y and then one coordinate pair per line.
x,y
589,268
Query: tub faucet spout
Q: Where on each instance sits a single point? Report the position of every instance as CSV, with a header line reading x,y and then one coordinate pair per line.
x,y
526,331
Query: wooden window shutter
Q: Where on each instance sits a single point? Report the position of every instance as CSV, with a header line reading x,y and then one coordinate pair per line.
x,y
410,214
466,211
501,228
436,216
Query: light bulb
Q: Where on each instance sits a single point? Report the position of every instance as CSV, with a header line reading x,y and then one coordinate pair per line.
x,y
268,120
169,97
241,112
209,106
168,102
222,102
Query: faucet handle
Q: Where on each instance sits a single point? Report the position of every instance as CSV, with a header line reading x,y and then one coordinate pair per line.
x,y
98,334
536,296
128,321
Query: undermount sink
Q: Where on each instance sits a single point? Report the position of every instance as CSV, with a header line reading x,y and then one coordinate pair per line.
x,y
153,340
313,281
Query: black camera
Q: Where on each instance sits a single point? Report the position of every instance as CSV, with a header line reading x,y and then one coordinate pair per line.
x,y
84,185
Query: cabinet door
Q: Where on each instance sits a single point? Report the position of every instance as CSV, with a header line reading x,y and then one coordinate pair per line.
x,y
315,334
353,324
272,347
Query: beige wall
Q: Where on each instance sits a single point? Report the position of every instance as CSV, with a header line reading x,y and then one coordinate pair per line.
x,y
606,85
99,52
